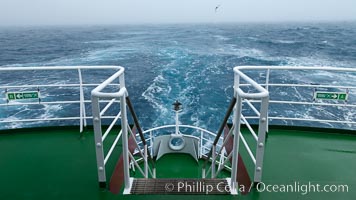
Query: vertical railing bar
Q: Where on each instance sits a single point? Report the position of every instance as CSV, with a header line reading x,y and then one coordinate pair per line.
x,y
213,161
201,143
267,78
262,129
81,97
237,125
98,142
267,88
125,146
151,142
145,160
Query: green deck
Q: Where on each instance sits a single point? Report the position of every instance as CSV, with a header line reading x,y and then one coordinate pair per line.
x,y
57,163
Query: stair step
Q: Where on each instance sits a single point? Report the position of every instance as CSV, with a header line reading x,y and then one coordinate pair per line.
x,y
180,186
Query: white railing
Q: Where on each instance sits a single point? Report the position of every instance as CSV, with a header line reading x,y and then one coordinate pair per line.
x,y
119,94
203,134
261,95
21,80
302,93
270,86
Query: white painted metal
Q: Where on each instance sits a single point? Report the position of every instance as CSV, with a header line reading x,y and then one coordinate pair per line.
x,y
201,130
235,149
102,112
98,140
269,70
260,149
112,147
249,127
81,117
224,165
252,107
4,68
82,113
137,166
213,157
151,142
125,139
177,123
111,125
248,148
262,95
201,144
322,68
146,161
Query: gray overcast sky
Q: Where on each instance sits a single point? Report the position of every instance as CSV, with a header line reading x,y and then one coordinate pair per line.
x,y
61,12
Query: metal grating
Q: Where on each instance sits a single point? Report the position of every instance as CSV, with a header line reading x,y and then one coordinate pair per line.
x,y
180,186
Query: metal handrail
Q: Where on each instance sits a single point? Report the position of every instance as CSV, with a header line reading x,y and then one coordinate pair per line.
x,y
82,117
262,95
325,68
137,124
180,125
314,86
218,135
262,92
5,68
96,94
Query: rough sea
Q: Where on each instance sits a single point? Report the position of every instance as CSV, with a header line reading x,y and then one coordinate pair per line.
x,y
192,63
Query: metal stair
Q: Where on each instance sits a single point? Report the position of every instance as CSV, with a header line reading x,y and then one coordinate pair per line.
x,y
180,186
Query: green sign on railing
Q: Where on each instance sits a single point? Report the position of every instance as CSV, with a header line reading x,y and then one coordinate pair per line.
x,y
22,95
342,96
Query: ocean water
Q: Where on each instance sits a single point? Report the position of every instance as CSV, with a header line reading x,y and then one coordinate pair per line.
x,y
191,63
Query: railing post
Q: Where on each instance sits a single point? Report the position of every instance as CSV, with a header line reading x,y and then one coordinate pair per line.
x,y
125,144
201,144
235,150
82,115
267,87
213,156
122,80
151,142
262,128
98,141
145,160
177,123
